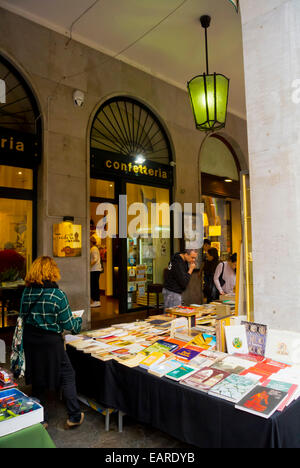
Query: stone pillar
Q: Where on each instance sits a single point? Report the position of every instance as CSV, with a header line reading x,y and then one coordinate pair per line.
x,y
271,42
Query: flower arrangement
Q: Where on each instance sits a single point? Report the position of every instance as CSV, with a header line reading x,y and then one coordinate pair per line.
x,y
12,265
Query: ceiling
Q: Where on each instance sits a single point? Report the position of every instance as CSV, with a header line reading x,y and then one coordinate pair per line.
x,y
163,38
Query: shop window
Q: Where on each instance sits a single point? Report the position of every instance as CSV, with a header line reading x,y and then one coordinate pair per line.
x,y
15,239
125,126
102,188
20,154
16,177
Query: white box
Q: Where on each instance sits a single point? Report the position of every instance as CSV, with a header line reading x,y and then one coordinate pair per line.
x,y
23,420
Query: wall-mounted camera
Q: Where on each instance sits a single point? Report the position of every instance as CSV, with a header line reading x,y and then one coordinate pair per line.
x,y
78,98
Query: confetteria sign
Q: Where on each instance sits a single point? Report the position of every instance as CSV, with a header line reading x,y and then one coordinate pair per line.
x,y
20,147
11,143
136,169
108,163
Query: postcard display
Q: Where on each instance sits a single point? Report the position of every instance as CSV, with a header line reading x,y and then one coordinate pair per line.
x,y
258,373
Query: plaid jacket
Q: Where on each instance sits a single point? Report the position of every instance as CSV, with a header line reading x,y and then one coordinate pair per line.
x,y
48,308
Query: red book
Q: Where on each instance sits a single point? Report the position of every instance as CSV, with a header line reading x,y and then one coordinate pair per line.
x,y
285,386
250,357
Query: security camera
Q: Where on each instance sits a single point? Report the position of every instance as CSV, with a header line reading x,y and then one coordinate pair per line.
x,y
78,98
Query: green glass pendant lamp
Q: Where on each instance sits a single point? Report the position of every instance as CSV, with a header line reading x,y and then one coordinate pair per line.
x,y
209,94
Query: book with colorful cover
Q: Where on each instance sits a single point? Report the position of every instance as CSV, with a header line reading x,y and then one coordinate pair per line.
x,y
185,354
262,401
180,372
162,368
103,356
250,357
18,411
160,346
236,339
153,358
6,380
130,361
201,361
265,368
204,378
159,322
233,387
233,365
256,337
179,343
290,388
204,340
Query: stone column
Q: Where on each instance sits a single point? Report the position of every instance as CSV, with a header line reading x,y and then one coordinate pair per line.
x,y
271,42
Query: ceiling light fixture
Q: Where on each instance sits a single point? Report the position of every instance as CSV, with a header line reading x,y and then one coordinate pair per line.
x,y
140,159
209,94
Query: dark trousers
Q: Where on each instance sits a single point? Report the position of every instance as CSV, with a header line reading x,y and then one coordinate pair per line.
x,y
95,292
68,387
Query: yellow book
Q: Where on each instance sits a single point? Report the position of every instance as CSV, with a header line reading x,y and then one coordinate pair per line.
x,y
153,358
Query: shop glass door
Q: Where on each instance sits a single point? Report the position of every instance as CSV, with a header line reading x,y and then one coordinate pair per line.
x,y
217,224
148,242
103,191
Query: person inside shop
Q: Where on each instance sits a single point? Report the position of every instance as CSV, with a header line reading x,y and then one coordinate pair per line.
x,y
95,271
209,288
206,246
46,314
177,277
225,276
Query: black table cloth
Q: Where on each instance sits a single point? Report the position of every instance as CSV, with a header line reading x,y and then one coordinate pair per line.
x,y
189,415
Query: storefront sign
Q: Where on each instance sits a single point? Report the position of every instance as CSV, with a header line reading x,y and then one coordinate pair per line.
x,y
136,169
66,240
109,163
18,147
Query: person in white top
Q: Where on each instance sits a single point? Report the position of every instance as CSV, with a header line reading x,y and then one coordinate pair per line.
x,y
95,269
229,275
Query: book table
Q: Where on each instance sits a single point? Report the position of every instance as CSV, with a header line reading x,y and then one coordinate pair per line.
x,y
191,416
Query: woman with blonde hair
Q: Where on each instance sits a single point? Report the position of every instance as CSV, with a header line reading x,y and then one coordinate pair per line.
x,y
46,314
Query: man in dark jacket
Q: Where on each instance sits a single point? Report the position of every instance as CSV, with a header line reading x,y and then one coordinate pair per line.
x,y
178,276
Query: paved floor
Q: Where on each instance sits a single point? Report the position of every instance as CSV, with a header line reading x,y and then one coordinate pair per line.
x,y
92,433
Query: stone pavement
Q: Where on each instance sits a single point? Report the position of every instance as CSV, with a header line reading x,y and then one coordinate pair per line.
x,y
92,433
